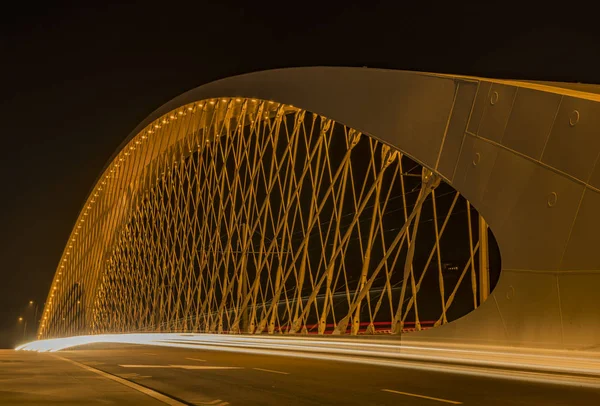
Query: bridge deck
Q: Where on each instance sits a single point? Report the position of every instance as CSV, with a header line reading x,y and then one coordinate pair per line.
x,y
212,375
43,379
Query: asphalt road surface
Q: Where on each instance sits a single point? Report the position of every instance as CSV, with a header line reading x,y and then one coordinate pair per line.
x,y
205,377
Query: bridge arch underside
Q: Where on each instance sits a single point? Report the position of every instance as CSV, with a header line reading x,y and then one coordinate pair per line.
x,y
233,208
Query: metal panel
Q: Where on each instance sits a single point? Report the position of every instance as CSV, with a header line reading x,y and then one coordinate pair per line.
x,y
579,306
540,221
531,121
595,178
582,250
530,308
574,143
456,128
482,326
480,102
496,112
500,196
473,169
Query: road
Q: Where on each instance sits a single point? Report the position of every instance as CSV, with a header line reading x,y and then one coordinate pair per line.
x,y
206,377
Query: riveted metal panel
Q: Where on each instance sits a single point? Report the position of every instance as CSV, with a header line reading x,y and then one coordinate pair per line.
x,y
482,326
574,142
595,178
529,305
582,249
456,128
496,112
538,225
480,101
579,305
531,121
500,196
473,169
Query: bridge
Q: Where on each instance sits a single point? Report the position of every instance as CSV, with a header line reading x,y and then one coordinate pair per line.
x,y
366,207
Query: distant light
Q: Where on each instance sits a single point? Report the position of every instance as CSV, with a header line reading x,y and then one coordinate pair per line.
x,y
20,318
31,302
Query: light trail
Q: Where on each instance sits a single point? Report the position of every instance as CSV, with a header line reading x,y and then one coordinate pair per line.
x,y
564,367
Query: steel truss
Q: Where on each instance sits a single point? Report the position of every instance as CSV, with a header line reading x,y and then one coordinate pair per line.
x,y
248,216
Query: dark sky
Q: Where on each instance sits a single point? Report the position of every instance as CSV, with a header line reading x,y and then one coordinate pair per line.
x,y
76,81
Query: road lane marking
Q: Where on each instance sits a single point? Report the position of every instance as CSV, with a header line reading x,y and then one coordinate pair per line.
x,y
146,391
144,366
272,371
205,367
454,402
196,359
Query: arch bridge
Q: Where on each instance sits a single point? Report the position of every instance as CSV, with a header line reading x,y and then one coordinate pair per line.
x,y
346,201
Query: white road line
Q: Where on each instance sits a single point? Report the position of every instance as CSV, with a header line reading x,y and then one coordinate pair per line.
x,y
147,391
205,367
128,375
208,367
454,402
145,366
196,359
270,370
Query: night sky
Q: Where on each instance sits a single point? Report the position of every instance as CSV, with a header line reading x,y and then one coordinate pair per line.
x,y
76,81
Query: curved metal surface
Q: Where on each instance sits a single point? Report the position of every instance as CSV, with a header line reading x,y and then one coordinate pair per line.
x,y
524,154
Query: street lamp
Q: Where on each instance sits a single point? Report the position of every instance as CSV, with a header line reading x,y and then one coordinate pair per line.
x,y
24,321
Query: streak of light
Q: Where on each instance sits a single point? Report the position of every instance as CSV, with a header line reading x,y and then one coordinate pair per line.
x,y
574,368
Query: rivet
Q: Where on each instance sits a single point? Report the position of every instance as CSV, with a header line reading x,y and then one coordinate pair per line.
x,y
574,118
552,198
476,158
494,98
